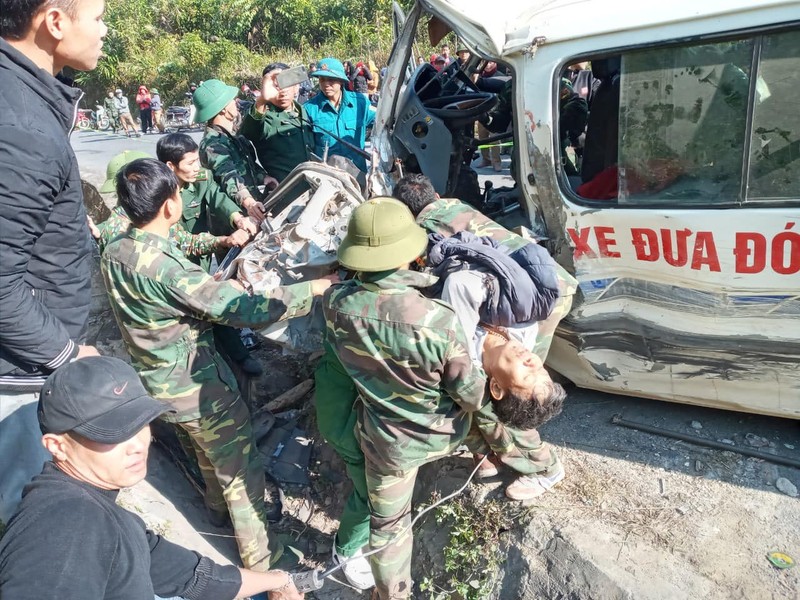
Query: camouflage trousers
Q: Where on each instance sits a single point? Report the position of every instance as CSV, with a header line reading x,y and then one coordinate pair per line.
x,y
390,494
520,450
567,285
234,478
390,523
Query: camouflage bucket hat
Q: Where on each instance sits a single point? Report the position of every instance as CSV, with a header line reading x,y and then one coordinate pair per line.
x,y
115,164
381,235
211,97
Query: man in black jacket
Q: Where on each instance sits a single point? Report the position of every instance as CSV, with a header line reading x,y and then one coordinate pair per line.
x,y
70,539
44,238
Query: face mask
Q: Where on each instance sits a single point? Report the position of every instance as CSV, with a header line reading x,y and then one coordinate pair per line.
x,y
235,121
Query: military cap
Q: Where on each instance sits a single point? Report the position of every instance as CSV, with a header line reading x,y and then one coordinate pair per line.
x,y
115,164
211,97
381,235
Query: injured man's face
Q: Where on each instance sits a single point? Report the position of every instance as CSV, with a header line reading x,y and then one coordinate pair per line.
x,y
522,391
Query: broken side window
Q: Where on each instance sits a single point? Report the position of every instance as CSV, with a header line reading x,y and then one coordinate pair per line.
x,y
774,165
707,124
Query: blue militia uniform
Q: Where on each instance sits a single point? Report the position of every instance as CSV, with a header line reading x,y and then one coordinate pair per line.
x,y
350,123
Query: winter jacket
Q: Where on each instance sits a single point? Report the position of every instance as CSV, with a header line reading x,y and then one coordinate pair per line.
x,y
121,102
526,280
361,76
45,248
143,100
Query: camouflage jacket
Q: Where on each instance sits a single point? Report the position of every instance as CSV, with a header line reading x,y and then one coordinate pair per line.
x,y
448,216
206,207
232,160
165,307
191,244
111,108
408,357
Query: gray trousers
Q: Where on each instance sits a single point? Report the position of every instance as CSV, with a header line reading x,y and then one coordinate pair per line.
x,y
21,452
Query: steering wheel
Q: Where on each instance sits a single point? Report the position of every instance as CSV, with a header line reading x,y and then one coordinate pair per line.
x,y
461,109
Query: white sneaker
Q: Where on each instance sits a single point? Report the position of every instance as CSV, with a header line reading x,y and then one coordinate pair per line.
x,y
357,570
527,487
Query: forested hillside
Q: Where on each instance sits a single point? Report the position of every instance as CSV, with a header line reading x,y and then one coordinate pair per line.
x,y
169,43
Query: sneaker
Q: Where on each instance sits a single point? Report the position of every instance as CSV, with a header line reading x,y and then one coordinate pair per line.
x,y
527,487
251,367
489,468
357,570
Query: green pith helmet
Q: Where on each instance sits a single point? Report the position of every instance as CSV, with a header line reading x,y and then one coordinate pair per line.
x,y
115,164
211,97
381,235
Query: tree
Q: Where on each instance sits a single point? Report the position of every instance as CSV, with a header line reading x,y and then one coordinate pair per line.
x,y
169,43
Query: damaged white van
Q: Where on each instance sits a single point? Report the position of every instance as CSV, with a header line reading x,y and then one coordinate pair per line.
x,y
679,210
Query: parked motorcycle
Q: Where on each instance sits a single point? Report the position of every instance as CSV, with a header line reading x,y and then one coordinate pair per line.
x,y
101,119
179,117
93,119
84,120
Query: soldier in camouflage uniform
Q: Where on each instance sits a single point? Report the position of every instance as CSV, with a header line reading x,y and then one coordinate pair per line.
x,y
448,216
230,157
165,306
521,450
194,246
207,208
408,357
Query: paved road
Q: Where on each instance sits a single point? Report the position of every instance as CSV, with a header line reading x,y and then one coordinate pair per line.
x,y
95,148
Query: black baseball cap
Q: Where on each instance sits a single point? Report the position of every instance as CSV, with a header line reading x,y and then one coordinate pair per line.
x,y
100,398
